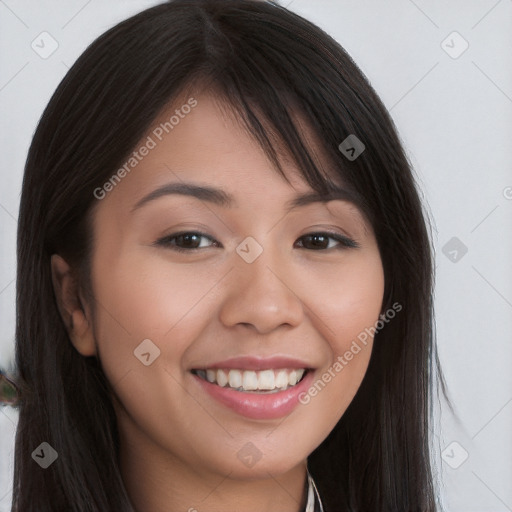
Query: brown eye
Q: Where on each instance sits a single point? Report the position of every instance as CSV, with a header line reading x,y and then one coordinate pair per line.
x,y
186,241
323,241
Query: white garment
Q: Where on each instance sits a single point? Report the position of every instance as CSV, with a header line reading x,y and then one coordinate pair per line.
x,y
313,502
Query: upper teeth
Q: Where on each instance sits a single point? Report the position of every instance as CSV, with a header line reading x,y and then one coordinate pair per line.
x,y
266,380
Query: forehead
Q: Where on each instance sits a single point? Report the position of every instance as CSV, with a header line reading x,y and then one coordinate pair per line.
x,y
199,147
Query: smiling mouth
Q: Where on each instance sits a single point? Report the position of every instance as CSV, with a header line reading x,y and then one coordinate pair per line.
x,y
249,381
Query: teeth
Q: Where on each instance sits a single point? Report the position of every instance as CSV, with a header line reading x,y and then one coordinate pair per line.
x,y
281,380
222,378
235,379
250,381
265,380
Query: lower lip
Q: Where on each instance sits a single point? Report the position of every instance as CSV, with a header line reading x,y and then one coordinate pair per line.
x,y
258,406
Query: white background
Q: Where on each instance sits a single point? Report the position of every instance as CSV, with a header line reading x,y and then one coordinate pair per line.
x,y
455,118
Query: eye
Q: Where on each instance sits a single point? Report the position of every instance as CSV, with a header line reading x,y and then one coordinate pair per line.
x,y
321,241
186,241
192,240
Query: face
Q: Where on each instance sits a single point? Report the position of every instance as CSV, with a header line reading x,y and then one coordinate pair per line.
x,y
209,307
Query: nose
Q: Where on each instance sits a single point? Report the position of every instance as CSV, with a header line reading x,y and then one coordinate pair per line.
x,y
261,296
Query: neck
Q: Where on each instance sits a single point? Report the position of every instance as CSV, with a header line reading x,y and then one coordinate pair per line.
x,y
164,483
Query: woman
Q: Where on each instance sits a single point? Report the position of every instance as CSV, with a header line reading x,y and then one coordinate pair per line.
x,y
224,278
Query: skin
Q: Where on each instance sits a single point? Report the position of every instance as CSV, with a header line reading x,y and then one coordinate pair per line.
x,y
179,446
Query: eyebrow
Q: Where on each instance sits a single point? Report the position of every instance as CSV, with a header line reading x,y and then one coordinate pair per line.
x,y
221,198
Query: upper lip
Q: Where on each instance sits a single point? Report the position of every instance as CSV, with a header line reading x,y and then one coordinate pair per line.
x,y
257,363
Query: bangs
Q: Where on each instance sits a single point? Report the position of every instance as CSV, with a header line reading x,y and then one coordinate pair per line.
x,y
281,102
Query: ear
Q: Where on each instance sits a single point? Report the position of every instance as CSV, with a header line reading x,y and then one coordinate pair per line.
x,y
71,309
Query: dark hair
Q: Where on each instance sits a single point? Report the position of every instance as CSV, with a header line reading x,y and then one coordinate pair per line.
x,y
267,64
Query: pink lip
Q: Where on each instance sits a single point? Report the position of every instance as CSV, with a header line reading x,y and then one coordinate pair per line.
x,y
257,363
255,405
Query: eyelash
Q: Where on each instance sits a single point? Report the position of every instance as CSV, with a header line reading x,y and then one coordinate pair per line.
x,y
344,241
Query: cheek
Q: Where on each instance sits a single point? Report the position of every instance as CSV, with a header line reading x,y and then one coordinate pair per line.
x,y
170,305
346,300
346,304
138,300
148,298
